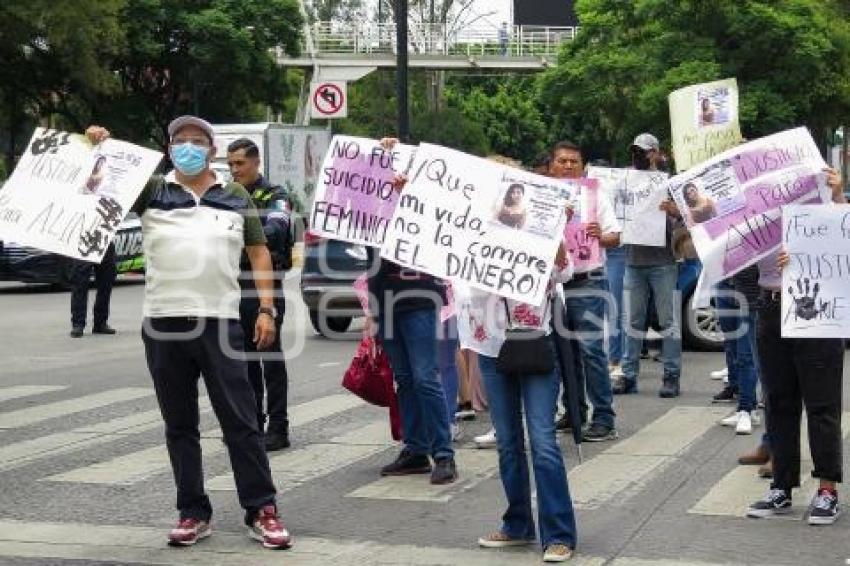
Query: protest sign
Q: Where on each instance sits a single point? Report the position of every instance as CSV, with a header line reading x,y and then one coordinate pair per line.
x,y
68,197
816,282
463,218
355,198
704,121
636,197
584,201
732,203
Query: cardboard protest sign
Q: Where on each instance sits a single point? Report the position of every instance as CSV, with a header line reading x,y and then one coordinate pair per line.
x,y
584,200
355,198
636,197
816,283
704,121
732,203
68,197
463,218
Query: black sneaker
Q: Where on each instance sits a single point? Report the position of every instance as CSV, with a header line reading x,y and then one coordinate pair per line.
x,y
599,433
276,441
727,395
824,508
669,387
444,472
624,387
776,502
103,329
76,332
407,464
563,423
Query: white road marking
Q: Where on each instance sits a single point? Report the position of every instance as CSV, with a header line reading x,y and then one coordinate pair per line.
x,y
41,413
628,465
19,391
740,487
142,464
330,364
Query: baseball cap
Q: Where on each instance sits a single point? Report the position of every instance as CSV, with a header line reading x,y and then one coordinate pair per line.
x,y
179,123
646,142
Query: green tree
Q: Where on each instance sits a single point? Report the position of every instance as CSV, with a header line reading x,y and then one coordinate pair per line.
x,y
791,59
508,116
50,52
327,10
216,58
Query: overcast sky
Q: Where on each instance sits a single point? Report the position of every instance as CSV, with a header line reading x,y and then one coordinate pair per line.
x,y
501,7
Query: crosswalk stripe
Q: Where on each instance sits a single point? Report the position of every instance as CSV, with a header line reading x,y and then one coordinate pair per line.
x,y
40,413
25,452
19,391
474,466
625,467
297,467
741,486
140,465
146,545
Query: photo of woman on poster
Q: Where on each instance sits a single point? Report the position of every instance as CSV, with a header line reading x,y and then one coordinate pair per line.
x,y
512,212
94,180
707,115
700,208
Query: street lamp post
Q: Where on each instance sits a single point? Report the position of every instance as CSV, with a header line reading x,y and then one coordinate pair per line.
x,y
401,70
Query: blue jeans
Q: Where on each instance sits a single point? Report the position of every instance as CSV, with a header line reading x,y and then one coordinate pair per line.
x,y
615,270
585,319
537,396
446,351
412,350
724,301
661,280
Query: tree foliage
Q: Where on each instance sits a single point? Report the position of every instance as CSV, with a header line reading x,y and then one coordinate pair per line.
x,y
791,59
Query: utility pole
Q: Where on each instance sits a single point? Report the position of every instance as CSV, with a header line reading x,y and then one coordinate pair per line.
x,y
401,71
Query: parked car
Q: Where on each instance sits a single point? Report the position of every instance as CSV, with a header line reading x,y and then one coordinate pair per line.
x,y
30,265
327,282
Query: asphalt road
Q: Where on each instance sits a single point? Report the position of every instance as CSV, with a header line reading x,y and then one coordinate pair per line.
x,y
84,477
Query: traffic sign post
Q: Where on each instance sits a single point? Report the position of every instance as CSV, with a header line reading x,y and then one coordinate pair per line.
x,y
329,99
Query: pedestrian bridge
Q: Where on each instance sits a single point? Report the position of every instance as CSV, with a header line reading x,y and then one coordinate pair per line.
x,y
431,46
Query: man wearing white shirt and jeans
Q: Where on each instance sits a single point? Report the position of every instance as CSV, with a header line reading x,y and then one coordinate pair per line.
x,y
586,294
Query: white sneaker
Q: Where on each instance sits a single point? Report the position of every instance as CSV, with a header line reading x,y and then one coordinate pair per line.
x,y
487,440
720,374
616,372
731,420
745,423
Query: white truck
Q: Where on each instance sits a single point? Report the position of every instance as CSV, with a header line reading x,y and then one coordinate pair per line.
x,y
290,156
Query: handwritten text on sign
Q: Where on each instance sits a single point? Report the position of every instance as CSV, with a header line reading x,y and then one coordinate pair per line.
x,y
636,197
816,283
68,197
465,218
732,203
355,198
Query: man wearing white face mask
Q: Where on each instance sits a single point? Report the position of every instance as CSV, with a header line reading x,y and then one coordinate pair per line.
x,y
195,226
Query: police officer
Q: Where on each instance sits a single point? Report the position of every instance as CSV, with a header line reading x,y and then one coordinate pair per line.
x,y
268,366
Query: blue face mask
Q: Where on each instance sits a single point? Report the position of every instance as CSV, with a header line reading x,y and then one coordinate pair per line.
x,y
188,158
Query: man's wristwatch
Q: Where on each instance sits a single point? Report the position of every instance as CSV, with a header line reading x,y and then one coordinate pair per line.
x,y
271,311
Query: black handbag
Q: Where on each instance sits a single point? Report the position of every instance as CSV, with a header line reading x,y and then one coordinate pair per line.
x,y
525,352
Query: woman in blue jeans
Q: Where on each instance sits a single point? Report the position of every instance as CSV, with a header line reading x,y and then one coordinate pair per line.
x,y
536,396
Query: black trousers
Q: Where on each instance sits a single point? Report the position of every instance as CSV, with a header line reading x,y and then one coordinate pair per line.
x,y
178,351
104,277
800,372
266,369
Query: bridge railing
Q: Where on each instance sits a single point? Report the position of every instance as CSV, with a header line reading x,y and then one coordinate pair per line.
x,y
356,38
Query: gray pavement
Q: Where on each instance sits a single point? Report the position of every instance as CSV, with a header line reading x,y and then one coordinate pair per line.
x,y
84,478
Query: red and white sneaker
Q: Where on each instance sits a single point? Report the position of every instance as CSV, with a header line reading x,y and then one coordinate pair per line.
x,y
188,532
269,530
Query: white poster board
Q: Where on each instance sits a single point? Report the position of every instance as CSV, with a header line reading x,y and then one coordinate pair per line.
x,y
355,197
68,197
732,203
465,218
816,283
636,197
